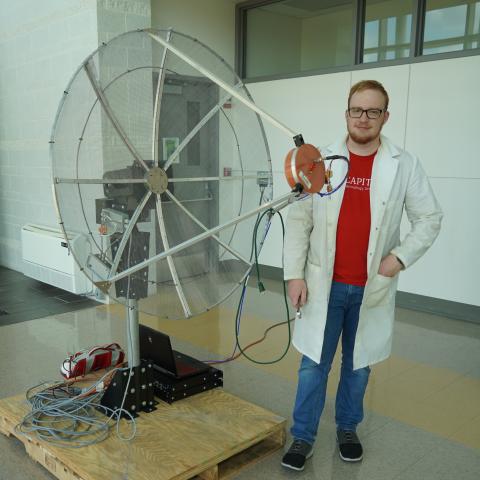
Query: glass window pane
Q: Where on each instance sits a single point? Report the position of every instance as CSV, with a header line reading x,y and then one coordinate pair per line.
x,y
298,35
370,40
476,26
451,25
388,29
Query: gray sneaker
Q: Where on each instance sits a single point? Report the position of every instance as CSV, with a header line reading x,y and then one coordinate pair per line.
x,y
296,455
349,446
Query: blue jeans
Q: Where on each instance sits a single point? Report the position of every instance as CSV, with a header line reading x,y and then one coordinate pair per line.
x,y
342,318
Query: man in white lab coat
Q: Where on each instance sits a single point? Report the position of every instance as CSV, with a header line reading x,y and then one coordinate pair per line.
x,y
343,255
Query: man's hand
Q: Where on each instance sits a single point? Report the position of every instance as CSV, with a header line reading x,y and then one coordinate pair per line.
x,y
297,292
390,266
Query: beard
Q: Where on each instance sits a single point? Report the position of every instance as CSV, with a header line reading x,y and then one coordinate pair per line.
x,y
368,137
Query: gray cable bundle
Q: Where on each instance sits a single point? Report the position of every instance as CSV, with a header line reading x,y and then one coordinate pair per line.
x,y
71,417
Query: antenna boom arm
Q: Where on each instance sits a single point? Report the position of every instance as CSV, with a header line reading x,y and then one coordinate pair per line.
x,y
222,84
285,200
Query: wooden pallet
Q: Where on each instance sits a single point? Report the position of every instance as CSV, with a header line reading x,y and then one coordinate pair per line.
x,y
210,436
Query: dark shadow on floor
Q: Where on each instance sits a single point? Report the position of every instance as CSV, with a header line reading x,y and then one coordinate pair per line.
x,y
23,298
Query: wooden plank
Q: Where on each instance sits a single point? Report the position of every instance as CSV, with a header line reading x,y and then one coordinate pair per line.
x,y
210,474
212,435
252,455
41,454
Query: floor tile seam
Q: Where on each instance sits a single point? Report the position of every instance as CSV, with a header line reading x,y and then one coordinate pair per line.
x,y
412,466
423,364
379,427
47,310
422,399
430,450
384,379
426,365
458,379
474,372
18,317
474,419
399,416
446,436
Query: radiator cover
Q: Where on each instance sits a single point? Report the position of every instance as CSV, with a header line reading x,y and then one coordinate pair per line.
x,y
47,258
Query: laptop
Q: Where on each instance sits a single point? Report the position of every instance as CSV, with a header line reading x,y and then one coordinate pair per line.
x,y
156,346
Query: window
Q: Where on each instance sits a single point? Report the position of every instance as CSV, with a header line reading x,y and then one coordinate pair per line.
x,y
298,35
279,38
451,26
388,30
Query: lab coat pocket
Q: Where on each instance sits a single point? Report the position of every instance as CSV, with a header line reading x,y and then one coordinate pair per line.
x,y
379,291
313,278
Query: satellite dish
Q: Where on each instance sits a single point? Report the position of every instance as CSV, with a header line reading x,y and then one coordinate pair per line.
x,y
161,162
148,152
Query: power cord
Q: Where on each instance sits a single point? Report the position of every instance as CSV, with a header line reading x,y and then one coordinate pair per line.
x,y
238,315
261,287
250,345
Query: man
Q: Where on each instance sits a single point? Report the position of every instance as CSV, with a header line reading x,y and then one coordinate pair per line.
x,y
342,258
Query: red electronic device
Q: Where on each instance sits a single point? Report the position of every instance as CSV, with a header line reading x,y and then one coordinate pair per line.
x,y
89,360
304,165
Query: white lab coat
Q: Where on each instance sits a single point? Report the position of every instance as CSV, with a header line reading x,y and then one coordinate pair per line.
x,y
398,181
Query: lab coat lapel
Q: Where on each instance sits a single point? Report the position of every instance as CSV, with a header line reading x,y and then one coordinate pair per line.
x,y
384,171
334,202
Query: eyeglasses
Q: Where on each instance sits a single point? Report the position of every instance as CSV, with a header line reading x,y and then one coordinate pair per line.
x,y
372,113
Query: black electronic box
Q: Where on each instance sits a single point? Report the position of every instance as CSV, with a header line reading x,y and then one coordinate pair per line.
x,y
171,389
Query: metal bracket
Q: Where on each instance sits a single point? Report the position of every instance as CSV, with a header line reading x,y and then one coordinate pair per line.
x,y
140,394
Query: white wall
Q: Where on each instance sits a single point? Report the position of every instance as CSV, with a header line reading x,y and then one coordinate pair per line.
x,y
279,56
434,108
41,46
333,27
211,21
444,130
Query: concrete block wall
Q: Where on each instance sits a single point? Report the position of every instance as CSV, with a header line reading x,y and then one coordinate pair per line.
x,y
114,17
41,46
118,16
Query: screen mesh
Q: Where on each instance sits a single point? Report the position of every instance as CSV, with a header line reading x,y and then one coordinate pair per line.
x,y
134,111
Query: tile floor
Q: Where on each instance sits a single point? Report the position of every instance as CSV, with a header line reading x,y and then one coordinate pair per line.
x,y
23,298
422,418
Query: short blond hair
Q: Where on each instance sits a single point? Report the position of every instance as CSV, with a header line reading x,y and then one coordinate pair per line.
x,y
368,85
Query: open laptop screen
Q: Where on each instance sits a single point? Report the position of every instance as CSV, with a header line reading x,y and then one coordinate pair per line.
x,y
156,346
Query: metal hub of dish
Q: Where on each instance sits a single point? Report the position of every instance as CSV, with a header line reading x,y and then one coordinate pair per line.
x,y
157,180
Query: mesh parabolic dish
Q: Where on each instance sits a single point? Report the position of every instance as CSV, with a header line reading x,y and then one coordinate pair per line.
x,y
147,153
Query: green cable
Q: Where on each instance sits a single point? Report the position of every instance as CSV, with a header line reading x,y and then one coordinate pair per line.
x,y
260,284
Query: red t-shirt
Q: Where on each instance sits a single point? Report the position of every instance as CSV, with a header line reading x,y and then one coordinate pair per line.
x,y
353,230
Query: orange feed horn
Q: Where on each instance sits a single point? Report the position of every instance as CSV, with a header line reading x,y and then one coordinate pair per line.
x,y
305,165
